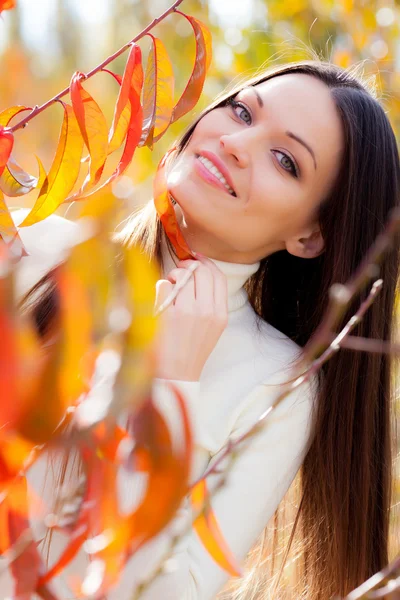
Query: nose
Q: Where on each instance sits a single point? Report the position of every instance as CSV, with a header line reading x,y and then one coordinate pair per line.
x,y
234,145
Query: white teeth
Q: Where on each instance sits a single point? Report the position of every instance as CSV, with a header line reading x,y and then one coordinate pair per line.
x,y
213,169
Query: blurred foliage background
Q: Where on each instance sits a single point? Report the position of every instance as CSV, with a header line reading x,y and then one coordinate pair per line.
x,y
43,43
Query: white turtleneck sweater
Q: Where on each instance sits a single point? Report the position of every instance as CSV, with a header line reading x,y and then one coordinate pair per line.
x,y
239,381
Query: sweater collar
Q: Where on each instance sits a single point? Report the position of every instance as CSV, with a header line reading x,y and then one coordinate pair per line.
x,y
236,273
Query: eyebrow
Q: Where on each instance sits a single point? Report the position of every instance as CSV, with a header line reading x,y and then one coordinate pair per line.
x,y
288,133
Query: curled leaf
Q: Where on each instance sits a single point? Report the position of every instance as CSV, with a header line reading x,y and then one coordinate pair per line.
x,y
166,211
194,87
158,99
93,127
10,113
208,530
15,181
131,87
63,173
128,98
119,127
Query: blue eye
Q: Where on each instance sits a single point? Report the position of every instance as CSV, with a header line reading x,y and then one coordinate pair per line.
x,y
236,105
293,170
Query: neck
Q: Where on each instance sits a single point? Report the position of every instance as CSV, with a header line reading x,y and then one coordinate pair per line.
x,y
236,274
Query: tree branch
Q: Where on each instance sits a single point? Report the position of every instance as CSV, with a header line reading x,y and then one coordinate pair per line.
x,y
38,109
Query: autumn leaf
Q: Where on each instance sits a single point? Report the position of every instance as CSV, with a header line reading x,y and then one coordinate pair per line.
x,y
131,87
194,87
16,182
158,98
93,127
9,232
209,532
119,127
13,179
128,98
169,468
63,173
6,146
9,113
166,210
6,5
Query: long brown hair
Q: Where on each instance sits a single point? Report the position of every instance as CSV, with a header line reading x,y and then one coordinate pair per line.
x,y
345,482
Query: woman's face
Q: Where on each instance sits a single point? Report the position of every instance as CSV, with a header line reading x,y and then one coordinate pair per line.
x,y
278,181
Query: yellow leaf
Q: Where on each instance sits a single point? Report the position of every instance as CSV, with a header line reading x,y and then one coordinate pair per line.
x,y
209,532
64,171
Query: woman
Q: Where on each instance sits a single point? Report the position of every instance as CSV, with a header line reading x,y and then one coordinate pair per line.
x,y
283,184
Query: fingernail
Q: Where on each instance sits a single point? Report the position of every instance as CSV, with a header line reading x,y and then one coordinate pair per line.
x,y
198,254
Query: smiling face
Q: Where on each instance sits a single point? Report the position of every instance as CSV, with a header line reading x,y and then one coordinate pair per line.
x,y
278,180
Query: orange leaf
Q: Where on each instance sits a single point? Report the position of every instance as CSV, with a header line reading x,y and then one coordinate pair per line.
x,y
208,530
6,5
158,99
6,146
202,63
166,211
93,127
63,173
131,84
8,349
76,326
120,125
20,357
169,470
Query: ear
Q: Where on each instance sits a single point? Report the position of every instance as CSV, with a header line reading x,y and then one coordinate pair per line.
x,y
309,244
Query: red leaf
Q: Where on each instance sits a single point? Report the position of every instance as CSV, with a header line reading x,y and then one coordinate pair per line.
x,y
131,87
130,90
166,211
6,146
93,126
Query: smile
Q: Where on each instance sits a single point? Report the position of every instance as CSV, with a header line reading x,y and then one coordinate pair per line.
x,y
212,174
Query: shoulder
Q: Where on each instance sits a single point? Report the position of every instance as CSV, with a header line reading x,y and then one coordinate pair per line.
x,y
46,243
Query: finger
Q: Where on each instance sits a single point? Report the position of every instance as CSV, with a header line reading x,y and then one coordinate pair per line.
x,y
220,285
184,281
203,284
163,290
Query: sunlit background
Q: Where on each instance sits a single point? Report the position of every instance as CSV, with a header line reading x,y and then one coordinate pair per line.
x,y
42,43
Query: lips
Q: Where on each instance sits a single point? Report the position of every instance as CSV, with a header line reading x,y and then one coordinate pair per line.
x,y
220,166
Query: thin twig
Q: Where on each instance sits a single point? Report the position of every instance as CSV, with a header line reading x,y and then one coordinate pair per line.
x,y
177,287
38,109
301,378
232,449
377,579
340,298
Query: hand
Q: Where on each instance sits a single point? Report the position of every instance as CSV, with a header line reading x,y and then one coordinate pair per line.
x,y
191,326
